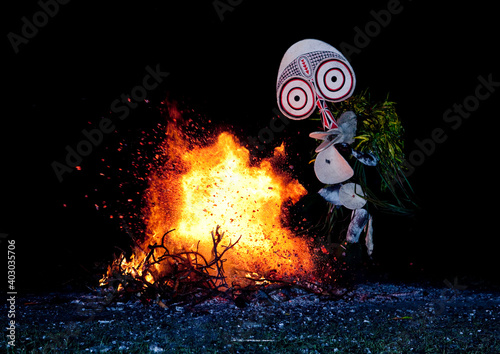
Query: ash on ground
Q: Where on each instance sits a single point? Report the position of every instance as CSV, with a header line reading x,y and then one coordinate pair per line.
x,y
370,318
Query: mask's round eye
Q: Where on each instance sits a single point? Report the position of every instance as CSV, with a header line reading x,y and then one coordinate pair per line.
x,y
296,98
335,80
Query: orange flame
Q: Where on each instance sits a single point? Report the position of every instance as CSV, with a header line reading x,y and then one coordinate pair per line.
x,y
203,187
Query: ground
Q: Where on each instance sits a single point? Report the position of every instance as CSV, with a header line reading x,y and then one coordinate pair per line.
x,y
370,318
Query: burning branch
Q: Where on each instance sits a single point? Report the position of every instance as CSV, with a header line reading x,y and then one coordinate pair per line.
x,y
216,239
188,278
182,277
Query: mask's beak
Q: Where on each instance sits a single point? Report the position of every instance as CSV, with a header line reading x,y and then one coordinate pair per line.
x,y
330,137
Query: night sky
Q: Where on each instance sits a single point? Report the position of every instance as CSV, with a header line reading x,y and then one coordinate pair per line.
x,y
440,64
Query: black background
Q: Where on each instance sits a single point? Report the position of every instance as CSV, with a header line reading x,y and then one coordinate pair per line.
x,y
427,58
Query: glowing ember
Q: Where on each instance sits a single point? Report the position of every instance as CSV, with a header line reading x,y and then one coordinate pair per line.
x,y
221,187
198,189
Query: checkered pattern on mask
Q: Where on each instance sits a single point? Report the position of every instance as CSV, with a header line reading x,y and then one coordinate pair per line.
x,y
315,58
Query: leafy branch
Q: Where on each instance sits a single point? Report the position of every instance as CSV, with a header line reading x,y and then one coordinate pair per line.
x,y
380,132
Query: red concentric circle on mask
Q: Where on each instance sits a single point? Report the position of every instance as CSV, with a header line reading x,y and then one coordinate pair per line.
x,y
335,80
296,98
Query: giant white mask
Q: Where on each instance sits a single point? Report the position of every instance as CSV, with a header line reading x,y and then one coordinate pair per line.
x,y
312,72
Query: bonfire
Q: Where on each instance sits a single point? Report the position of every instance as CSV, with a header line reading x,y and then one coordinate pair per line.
x,y
214,224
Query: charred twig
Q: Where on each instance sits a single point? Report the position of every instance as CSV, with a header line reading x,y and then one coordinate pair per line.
x,y
182,277
217,258
271,284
